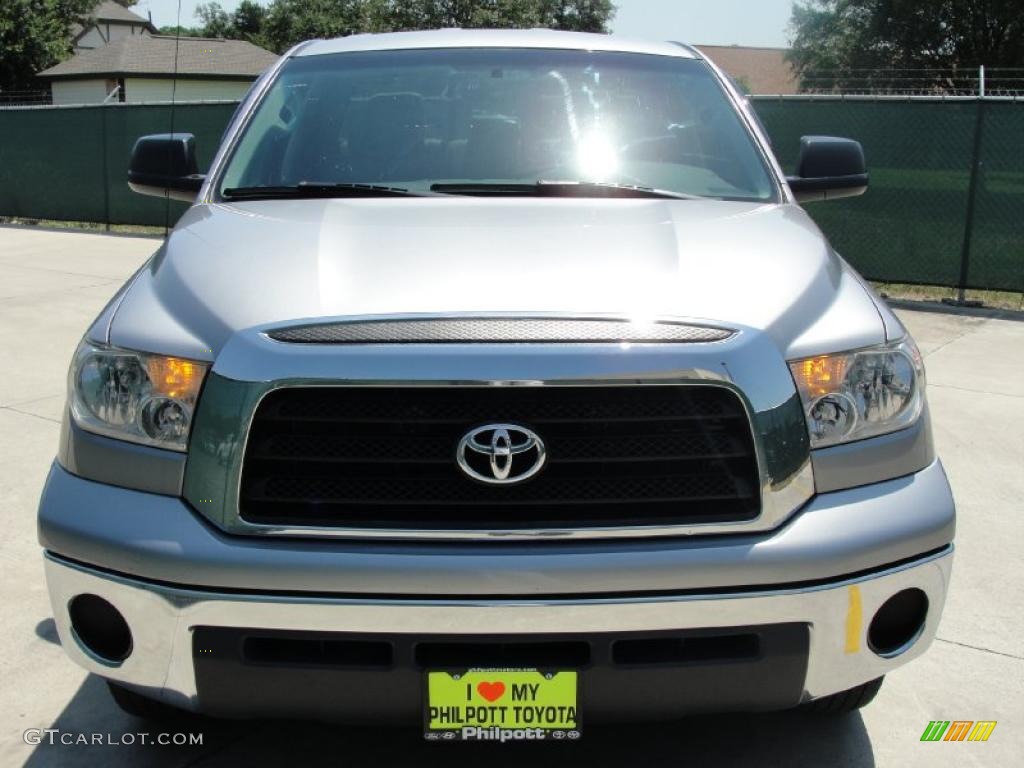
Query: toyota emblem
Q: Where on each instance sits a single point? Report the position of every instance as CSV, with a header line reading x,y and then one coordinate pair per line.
x,y
501,454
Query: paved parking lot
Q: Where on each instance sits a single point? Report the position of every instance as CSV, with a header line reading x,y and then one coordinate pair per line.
x,y
53,283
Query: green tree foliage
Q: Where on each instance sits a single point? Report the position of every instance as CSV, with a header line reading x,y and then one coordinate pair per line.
x,y
836,42
248,20
286,22
289,21
577,15
246,23
183,31
216,21
35,35
400,15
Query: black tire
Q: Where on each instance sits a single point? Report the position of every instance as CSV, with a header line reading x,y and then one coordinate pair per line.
x,y
845,702
137,705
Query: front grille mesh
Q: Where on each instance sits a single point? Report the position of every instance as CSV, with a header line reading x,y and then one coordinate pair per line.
x,y
513,330
384,458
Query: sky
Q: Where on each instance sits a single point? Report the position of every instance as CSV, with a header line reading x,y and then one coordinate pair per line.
x,y
707,22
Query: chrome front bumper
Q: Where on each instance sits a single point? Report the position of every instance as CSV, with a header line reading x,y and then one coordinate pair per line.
x,y
162,618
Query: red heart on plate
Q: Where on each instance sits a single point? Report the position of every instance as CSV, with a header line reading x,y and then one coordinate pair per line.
x,y
491,691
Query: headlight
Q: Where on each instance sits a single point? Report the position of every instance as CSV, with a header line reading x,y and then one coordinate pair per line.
x,y
134,396
860,394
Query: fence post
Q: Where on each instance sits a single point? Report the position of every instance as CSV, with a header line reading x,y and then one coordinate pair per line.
x,y
972,193
104,137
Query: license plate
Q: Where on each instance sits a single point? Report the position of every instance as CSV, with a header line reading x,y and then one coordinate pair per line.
x,y
501,705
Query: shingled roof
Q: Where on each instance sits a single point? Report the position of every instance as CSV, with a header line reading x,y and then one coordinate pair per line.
x,y
108,10
762,70
153,56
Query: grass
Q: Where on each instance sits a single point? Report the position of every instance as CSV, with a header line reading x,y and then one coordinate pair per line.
x,y
87,226
993,299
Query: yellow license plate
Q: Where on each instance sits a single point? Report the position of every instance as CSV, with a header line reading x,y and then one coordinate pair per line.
x,y
501,705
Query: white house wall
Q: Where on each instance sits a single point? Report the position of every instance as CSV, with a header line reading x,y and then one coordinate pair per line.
x,y
118,31
143,89
102,33
79,91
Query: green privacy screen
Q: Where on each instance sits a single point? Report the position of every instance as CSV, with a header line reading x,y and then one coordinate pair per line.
x,y
70,163
909,227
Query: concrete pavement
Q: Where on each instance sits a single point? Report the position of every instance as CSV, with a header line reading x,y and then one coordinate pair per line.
x,y
53,283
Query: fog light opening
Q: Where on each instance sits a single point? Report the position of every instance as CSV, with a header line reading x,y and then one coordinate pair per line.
x,y
898,623
100,629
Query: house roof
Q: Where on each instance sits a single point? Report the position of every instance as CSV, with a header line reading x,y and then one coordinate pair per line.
x,y
108,10
154,56
762,70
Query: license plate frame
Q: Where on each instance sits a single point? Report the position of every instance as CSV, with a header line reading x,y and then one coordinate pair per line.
x,y
501,705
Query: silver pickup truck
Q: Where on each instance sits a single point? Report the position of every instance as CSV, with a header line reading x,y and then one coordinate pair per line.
x,y
496,383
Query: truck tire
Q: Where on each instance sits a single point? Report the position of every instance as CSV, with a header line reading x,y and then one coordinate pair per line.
x,y
844,702
140,706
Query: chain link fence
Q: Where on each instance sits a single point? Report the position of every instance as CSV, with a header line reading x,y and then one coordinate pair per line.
x,y
932,81
945,206
36,97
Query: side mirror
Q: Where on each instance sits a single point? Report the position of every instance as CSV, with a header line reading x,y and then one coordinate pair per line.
x,y
828,168
164,165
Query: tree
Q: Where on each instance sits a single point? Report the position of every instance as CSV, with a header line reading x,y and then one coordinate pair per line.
x,y
35,35
174,31
245,23
248,20
396,16
216,21
577,15
289,21
286,22
861,43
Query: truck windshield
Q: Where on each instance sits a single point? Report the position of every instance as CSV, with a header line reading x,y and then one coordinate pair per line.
x,y
485,121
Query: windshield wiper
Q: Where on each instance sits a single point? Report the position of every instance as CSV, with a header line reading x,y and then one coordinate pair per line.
x,y
317,189
544,188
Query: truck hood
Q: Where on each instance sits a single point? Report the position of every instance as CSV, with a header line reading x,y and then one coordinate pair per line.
x,y
230,267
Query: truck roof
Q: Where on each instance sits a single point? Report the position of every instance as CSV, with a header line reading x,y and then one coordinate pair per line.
x,y
494,38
